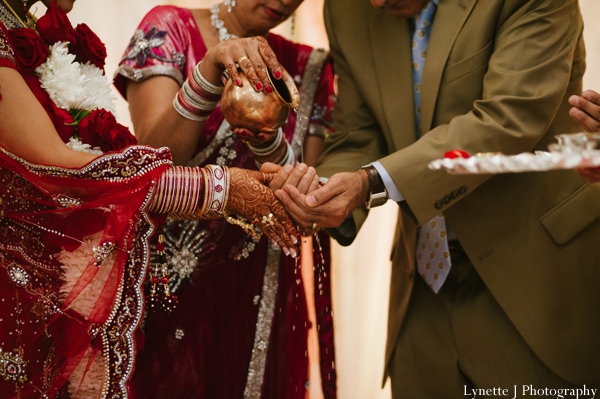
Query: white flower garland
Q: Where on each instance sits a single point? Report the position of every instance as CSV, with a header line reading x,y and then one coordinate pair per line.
x,y
75,86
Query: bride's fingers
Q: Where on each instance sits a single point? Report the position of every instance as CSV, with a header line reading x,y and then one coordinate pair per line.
x,y
280,177
273,228
286,223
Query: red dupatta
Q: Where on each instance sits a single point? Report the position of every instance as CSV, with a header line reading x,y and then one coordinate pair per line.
x,y
73,255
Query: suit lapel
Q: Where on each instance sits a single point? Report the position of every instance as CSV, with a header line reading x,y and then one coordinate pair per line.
x,y
394,77
450,17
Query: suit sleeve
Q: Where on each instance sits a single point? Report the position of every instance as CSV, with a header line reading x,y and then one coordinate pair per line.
x,y
357,139
524,88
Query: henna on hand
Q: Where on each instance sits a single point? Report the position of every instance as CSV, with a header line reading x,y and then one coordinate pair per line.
x,y
251,198
269,56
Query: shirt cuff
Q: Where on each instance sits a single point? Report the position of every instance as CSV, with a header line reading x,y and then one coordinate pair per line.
x,y
392,191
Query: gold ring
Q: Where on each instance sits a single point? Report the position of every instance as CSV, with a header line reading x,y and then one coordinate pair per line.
x,y
314,226
242,59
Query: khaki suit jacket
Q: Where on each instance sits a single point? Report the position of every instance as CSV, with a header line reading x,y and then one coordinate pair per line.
x,y
497,78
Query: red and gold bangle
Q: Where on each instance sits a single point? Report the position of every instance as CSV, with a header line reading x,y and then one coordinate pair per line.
x,y
178,191
217,191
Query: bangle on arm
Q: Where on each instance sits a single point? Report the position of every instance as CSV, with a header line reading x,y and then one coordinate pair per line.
x,y
197,98
199,193
179,191
279,146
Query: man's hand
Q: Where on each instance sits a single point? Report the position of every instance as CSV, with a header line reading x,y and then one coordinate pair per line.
x,y
591,175
586,110
329,205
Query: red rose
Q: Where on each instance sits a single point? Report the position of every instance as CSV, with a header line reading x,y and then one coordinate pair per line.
x,y
70,334
63,122
121,137
100,129
30,49
55,26
88,47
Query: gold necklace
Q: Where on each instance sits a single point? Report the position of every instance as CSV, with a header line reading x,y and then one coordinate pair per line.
x,y
10,19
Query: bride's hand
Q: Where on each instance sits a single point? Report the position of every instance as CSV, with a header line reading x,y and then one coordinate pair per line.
x,y
252,54
251,198
303,177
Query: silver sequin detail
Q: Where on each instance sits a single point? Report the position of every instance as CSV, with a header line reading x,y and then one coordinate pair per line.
x,y
18,275
68,202
8,19
311,79
179,334
266,312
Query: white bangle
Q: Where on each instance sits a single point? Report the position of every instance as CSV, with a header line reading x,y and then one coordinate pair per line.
x,y
217,191
205,84
263,152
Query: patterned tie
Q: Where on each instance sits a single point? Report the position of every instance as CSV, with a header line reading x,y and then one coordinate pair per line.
x,y
433,256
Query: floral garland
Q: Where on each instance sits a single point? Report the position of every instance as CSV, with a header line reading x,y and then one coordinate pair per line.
x,y
64,68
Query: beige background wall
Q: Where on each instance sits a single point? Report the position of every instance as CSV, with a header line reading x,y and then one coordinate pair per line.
x,y
361,272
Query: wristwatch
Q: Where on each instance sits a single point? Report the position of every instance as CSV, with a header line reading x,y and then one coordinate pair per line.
x,y
378,194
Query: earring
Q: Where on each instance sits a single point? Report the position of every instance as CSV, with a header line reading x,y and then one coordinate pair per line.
x,y
24,7
230,4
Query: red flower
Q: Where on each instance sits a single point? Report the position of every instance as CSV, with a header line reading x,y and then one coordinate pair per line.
x,y
100,129
30,49
88,47
70,334
55,26
456,154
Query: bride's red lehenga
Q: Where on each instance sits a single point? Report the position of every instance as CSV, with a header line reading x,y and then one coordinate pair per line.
x,y
241,326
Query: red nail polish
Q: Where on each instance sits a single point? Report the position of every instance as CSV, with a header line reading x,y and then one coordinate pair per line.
x,y
268,90
259,86
277,74
238,82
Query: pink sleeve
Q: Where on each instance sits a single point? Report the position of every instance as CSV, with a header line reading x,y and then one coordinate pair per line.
x,y
7,55
160,46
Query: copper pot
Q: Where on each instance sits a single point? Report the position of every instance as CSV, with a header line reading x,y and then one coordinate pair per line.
x,y
243,107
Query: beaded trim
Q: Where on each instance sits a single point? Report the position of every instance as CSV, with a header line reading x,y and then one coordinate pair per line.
x,y
141,74
264,322
118,332
310,83
5,50
9,20
131,163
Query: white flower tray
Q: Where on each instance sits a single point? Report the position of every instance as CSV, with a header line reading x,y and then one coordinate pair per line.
x,y
525,162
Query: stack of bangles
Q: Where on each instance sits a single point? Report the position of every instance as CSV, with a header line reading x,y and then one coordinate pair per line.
x,y
279,146
197,98
200,193
185,192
